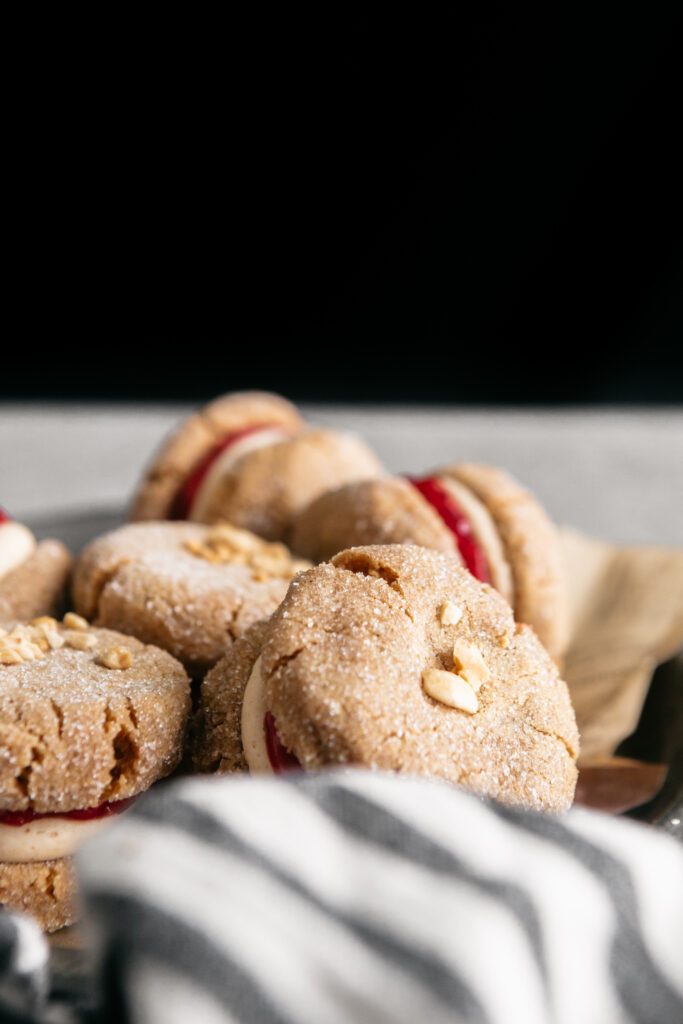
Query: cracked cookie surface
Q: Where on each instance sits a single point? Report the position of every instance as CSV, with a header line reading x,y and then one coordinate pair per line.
x,y
516,539
347,661
75,732
188,588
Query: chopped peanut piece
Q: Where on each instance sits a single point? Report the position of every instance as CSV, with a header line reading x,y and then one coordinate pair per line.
x,y
115,657
450,689
469,664
73,621
44,622
451,614
9,655
22,643
79,641
224,544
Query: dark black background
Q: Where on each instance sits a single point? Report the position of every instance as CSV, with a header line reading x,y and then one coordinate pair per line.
x,y
462,208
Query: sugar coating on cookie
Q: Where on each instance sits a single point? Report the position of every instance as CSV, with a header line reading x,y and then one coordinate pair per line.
x,y
384,511
87,716
478,513
249,459
46,890
188,588
350,663
264,490
195,438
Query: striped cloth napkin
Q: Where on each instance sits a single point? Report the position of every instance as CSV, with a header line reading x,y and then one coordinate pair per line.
x,y
359,897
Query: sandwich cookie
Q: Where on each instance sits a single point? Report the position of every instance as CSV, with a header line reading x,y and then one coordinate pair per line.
x,y
397,659
250,460
499,532
185,587
187,454
89,718
33,576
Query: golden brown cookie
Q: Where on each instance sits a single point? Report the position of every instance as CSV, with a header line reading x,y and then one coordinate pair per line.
x,y
479,513
266,488
383,511
33,576
196,438
44,889
257,466
394,658
89,718
188,588
530,545
86,715
216,730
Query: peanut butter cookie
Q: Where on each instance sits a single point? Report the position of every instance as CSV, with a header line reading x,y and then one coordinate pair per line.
x,y
249,459
479,513
394,658
225,421
188,588
89,718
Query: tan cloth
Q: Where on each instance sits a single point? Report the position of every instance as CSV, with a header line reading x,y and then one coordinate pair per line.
x,y
626,607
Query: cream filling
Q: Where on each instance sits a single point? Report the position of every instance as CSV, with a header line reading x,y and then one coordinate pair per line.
x,y
46,838
485,534
253,733
225,463
16,544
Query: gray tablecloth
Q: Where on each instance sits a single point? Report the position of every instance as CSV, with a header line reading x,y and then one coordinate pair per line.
x,y
614,474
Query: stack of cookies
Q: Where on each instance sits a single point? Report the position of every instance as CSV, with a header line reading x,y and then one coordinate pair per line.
x,y
320,611
89,718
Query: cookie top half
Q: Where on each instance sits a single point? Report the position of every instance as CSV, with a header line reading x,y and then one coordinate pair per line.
x,y
395,658
86,715
477,513
188,588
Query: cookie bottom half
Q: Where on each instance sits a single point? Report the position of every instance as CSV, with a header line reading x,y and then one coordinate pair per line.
x,y
44,889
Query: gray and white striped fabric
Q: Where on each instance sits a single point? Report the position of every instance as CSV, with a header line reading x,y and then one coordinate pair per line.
x,y
356,897
23,968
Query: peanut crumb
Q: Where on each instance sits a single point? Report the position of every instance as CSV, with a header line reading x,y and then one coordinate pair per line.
x,y
450,689
114,657
44,622
469,664
73,621
451,614
54,640
9,655
225,544
79,641
22,643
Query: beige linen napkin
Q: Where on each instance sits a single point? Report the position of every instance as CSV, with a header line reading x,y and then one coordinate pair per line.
x,y
626,610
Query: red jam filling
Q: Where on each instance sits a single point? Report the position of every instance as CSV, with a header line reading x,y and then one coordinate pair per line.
x,y
281,759
104,810
4,518
458,523
182,505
